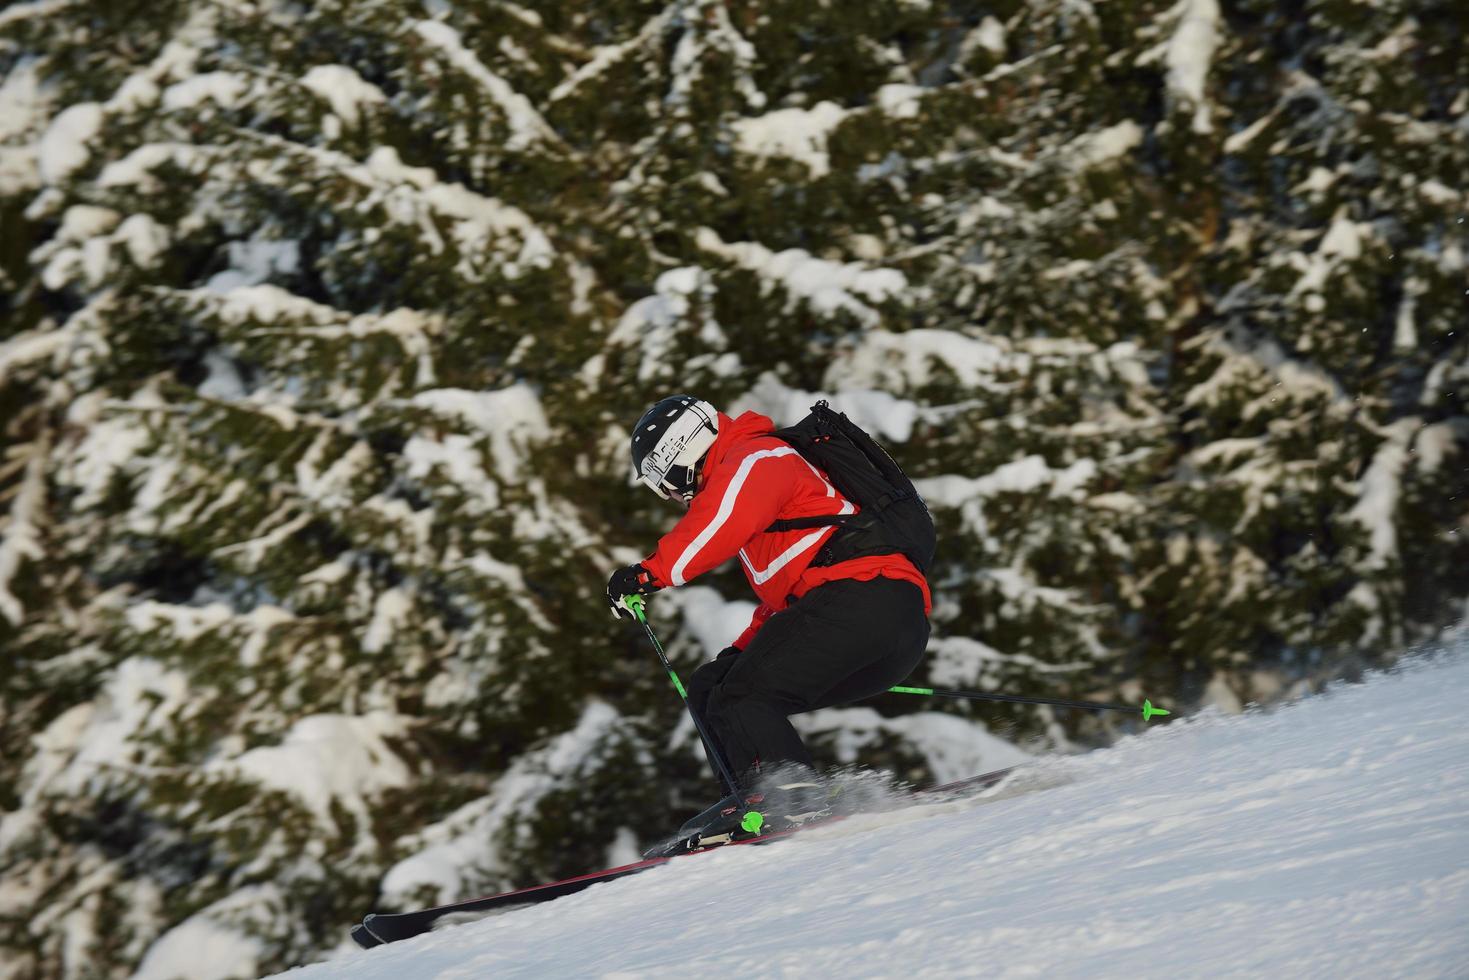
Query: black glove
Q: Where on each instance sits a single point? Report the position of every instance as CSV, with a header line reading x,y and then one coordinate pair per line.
x,y
631,580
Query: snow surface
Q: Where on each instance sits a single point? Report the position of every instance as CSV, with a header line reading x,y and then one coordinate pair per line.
x,y
24,110
510,417
888,418
827,286
1381,486
1189,53
66,145
345,90
884,360
1328,838
796,134
202,948
525,123
330,761
1104,145
606,56
20,537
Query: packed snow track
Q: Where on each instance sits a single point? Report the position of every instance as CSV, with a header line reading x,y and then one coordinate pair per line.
x,y
1326,838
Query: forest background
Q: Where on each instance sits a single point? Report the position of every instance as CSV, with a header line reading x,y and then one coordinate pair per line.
x,y
323,326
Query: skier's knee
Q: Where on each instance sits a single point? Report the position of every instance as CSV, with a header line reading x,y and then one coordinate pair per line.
x,y
703,680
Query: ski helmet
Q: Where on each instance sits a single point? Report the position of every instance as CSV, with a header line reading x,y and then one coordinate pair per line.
x,y
669,443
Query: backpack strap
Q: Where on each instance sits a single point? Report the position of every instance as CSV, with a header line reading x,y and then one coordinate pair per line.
x,y
828,520
866,519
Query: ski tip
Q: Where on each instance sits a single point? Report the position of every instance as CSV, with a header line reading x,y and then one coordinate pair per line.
x,y
363,938
1149,711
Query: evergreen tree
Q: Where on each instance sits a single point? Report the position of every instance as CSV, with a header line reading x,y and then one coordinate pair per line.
x,y
324,327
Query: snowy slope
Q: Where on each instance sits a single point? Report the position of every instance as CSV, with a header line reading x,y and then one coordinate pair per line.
x,y
1329,838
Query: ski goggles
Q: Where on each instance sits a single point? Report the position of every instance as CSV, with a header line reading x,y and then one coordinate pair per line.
x,y
676,484
668,478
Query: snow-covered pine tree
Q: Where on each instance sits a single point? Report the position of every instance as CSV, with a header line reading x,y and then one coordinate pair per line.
x,y
291,583
324,326
1315,436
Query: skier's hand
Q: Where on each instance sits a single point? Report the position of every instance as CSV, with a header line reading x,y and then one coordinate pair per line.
x,y
630,580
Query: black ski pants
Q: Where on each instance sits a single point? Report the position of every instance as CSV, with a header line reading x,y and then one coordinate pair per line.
x,y
840,642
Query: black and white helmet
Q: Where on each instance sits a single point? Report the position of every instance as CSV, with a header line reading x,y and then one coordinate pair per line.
x,y
670,441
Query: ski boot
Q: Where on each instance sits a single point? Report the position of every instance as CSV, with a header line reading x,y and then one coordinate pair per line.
x,y
775,805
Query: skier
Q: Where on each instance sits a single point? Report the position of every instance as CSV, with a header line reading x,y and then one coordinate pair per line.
x,y
835,623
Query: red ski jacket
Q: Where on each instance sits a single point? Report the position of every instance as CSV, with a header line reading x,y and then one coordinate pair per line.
x,y
750,479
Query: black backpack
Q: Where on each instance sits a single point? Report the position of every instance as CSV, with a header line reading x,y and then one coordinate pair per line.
x,y
894,518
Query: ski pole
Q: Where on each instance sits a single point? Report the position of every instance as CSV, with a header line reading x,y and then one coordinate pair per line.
x,y
635,605
938,692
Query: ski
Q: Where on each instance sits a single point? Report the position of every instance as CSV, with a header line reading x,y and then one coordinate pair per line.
x,y
377,929
968,783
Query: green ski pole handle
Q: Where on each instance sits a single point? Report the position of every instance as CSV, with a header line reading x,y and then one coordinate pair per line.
x,y
1147,709
636,605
